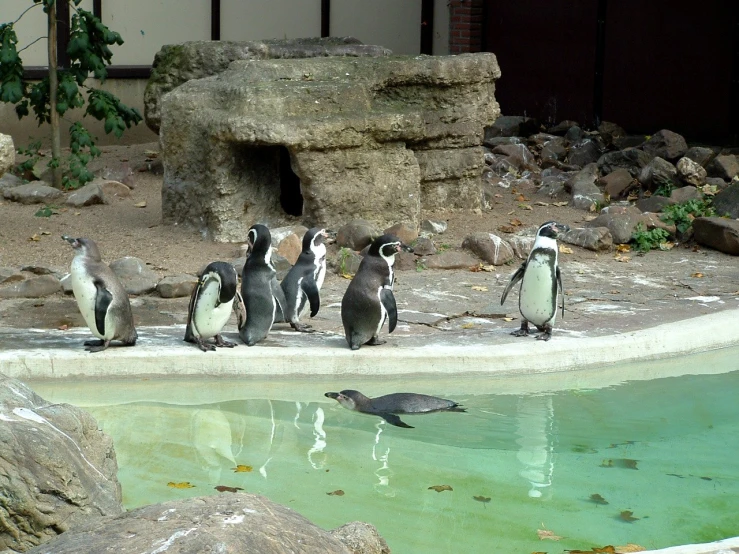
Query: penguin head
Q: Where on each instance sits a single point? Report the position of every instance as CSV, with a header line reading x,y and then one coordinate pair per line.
x,y
387,246
551,229
313,238
84,247
259,239
348,398
225,274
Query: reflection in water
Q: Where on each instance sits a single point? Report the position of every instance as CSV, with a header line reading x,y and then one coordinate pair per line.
x,y
298,407
263,468
319,443
210,433
535,419
384,472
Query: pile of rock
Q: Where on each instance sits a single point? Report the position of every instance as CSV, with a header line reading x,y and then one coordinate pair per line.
x,y
626,178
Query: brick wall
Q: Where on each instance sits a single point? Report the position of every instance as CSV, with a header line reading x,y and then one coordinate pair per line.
x,y
465,26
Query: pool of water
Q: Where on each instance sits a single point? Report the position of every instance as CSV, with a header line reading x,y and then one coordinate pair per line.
x,y
648,462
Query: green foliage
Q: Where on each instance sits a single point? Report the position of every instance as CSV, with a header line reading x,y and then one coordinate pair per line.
x,y
89,54
644,240
682,215
665,189
23,169
344,255
420,265
47,211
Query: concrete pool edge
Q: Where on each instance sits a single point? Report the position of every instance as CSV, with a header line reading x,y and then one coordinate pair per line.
x,y
327,355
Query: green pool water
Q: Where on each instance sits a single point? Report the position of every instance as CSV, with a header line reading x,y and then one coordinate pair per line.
x,y
662,456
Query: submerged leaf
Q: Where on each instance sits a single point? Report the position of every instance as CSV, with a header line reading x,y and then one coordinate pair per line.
x,y
440,488
337,492
181,485
242,469
224,488
628,516
545,534
483,499
598,499
630,547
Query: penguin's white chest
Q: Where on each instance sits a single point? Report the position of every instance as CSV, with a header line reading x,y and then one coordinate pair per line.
x,y
208,318
85,293
319,260
538,298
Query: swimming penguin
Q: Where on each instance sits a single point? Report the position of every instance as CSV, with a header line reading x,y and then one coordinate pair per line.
x,y
541,277
397,403
259,287
305,279
211,304
369,300
101,298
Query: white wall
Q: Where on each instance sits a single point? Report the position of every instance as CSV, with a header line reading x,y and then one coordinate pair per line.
x,y
441,28
264,19
395,24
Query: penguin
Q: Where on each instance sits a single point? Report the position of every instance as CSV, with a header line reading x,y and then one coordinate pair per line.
x,y
260,290
369,300
305,279
211,304
101,298
540,278
391,404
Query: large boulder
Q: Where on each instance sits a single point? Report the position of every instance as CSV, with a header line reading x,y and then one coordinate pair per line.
x,y
666,144
726,202
717,233
57,469
175,64
238,522
35,192
7,154
134,275
621,221
326,140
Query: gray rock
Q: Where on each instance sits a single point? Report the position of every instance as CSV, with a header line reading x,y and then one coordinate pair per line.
x,y
35,192
135,276
450,177
10,275
9,181
492,142
238,522
290,248
361,538
621,221
583,152
7,153
88,195
628,141
489,247
539,139
434,227
34,287
40,269
683,194
725,167
631,159
238,264
574,134
653,221
690,172
717,182
553,185
518,156
585,194
553,150
176,64
610,132
281,264
59,470
424,247
617,183
406,261
700,155
450,259
562,127
521,244
717,233
726,202
347,261
658,173
654,203
279,234
405,233
356,234
112,190
66,283
666,144
177,286
511,126
597,239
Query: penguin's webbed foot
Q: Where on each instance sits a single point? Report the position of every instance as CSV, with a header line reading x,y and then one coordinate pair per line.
x,y
96,345
523,331
302,328
546,333
204,346
374,341
96,342
224,343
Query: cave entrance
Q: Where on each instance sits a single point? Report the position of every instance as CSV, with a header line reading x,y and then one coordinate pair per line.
x,y
291,197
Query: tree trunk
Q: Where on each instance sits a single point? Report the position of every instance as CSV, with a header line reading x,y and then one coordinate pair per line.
x,y
56,148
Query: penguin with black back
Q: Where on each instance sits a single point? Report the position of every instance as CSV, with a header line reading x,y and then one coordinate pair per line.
x,y
260,290
211,304
369,300
304,280
541,281
388,406
100,296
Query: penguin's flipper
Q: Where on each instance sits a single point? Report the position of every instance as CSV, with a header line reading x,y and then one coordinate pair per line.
x,y
189,336
514,279
240,309
392,419
310,288
388,301
103,298
561,291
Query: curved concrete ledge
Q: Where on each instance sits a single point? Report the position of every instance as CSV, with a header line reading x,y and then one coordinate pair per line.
x,y
726,546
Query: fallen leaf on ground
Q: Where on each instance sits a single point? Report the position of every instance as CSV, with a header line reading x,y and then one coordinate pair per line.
x,y
598,499
545,534
508,318
63,327
589,217
481,289
45,233
349,276
559,204
483,499
34,238
468,326
697,275
337,492
440,488
540,203
516,222
630,547
140,204
525,206
623,248
628,516
614,291
564,249
181,485
242,469
224,488
623,259
506,229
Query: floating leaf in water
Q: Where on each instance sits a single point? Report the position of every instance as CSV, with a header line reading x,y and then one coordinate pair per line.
x,y
545,534
480,289
584,448
224,488
707,478
181,485
606,463
598,499
440,488
337,492
630,547
595,550
483,499
627,463
676,475
242,469
628,516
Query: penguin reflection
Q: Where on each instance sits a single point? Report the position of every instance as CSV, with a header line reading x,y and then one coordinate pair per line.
x,y
535,419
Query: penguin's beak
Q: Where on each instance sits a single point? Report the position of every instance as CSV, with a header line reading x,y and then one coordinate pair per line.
x,y
71,240
329,236
334,395
405,247
561,228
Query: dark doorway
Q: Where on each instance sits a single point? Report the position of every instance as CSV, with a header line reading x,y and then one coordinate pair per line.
x,y
291,197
